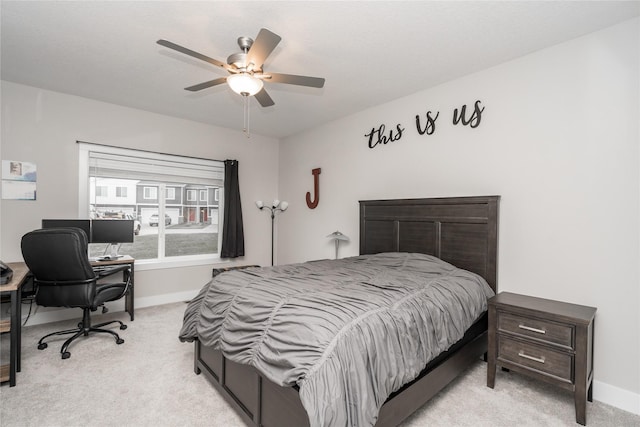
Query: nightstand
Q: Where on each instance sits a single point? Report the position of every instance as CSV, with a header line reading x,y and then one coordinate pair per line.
x,y
544,339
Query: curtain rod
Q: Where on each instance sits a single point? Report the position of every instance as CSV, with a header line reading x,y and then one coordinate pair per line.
x,y
148,151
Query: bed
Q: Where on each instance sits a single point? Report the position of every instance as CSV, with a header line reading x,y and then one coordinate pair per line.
x,y
461,231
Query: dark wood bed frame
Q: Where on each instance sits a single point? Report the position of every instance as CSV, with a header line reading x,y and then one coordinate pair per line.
x,y
461,230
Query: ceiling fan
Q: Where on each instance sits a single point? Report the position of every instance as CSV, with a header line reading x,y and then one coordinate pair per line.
x,y
245,68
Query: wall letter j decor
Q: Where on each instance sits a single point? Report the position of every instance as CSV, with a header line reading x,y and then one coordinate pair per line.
x,y
316,189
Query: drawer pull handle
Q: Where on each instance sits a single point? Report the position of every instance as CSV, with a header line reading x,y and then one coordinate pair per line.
x,y
535,359
529,328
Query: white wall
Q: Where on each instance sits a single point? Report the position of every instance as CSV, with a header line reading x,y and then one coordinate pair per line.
x,y
42,127
558,140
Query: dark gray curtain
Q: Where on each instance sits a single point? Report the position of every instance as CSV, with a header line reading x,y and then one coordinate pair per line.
x,y
233,231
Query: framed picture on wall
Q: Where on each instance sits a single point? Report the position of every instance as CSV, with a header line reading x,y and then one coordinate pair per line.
x,y
18,180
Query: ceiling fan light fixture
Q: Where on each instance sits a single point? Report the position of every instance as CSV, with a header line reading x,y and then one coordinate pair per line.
x,y
244,84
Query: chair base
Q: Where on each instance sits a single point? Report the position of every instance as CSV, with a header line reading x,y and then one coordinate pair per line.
x,y
84,329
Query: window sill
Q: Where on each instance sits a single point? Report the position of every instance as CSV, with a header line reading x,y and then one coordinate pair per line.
x,y
157,264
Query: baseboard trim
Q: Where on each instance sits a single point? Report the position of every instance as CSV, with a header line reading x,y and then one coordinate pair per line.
x,y
46,315
616,396
602,392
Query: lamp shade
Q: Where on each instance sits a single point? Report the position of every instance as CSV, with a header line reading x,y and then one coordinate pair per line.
x,y
244,84
259,204
338,236
284,205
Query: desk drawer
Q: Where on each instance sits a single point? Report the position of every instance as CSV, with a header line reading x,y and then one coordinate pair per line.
x,y
553,333
536,358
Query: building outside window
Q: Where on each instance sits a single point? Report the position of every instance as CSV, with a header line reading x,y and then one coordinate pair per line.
x,y
169,228
203,195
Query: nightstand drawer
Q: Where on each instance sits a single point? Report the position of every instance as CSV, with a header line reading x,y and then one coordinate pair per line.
x,y
554,333
537,358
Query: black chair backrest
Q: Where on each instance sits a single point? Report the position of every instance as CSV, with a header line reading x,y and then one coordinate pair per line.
x,y
59,262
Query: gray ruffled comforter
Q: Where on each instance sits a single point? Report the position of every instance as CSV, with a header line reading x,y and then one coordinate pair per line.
x,y
349,332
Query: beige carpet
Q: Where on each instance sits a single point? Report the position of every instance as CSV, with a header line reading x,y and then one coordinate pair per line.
x,y
149,381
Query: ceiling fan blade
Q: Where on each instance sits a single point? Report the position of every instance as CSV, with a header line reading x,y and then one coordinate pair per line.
x,y
262,48
264,99
205,85
295,80
192,53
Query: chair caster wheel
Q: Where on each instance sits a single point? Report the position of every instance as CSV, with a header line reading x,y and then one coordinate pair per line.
x,y
66,355
80,325
119,341
42,346
123,327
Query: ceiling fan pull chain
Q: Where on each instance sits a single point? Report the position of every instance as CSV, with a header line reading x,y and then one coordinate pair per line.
x,y
245,127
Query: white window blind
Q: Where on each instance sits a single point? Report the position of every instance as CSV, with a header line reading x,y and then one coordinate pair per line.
x,y
153,167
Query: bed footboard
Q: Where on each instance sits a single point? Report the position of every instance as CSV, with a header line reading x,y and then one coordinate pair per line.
x,y
256,399
262,403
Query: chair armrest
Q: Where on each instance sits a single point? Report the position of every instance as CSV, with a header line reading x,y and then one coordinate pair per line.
x,y
112,270
105,286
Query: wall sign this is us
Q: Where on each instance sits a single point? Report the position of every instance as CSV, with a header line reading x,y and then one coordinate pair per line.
x,y
426,125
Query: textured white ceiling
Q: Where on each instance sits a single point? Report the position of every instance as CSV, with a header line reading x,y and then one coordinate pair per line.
x,y
369,52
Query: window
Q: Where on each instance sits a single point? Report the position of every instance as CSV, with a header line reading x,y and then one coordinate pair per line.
x,y
101,191
150,193
121,191
164,230
171,194
203,195
216,194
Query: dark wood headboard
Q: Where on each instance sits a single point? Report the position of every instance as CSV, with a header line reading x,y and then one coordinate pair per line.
x,y
462,231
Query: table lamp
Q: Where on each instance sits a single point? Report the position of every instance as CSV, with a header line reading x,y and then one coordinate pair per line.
x,y
337,237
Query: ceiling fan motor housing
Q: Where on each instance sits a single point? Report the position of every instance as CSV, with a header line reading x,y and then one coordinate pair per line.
x,y
239,60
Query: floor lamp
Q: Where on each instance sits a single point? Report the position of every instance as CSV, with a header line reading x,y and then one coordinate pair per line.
x,y
275,207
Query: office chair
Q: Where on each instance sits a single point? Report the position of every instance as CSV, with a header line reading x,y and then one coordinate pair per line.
x,y
63,277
